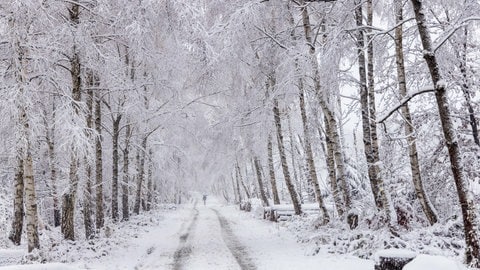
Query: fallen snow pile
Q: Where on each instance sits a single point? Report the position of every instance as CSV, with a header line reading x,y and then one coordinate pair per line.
x,y
423,262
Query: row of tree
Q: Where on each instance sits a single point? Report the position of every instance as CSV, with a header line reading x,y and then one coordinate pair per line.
x,y
269,94
87,89
300,65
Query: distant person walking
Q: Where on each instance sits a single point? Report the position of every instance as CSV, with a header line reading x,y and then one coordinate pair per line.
x,y
204,199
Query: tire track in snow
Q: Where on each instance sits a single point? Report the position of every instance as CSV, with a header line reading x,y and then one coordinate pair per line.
x,y
236,248
184,249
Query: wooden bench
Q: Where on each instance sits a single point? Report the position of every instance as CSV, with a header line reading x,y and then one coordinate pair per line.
x,y
283,212
393,259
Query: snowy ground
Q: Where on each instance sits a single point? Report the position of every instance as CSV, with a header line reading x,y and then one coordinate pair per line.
x,y
196,236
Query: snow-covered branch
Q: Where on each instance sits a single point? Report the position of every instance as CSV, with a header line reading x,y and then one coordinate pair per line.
x,y
271,37
404,101
452,31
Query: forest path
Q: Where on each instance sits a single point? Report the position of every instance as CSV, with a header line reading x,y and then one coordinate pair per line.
x,y
218,236
208,245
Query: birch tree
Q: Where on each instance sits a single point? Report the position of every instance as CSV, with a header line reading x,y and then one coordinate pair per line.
x,y
465,196
427,206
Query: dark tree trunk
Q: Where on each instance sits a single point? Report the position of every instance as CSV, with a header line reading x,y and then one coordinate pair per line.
x,y
283,158
257,166
247,192
140,178
18,211
149,181
69,196
87,195
99,215
271,171
126,174
115,160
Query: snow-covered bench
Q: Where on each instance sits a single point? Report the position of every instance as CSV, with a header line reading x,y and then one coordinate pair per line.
x,y
393,259
402,259
282,212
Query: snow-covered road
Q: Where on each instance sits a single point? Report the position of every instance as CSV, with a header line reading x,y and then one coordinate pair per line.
x,y
215,236
200,237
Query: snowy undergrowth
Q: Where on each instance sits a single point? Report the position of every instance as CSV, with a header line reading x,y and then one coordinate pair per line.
x,y
112,236
337,238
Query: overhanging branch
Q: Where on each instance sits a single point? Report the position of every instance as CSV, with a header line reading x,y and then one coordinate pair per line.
x,y
404,101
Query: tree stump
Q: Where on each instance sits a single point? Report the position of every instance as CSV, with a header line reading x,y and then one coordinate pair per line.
x,y
393,259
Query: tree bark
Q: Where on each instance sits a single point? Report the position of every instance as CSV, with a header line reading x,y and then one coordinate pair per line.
x,y
297,180
50,138
68,200
87,193
271,171
140,177
332,173
115,160
465,86
257,166
99,214
312,171
237,186
465,195
126,174
31,204
18,211
150,181
328,113
283,156
427,206
247,192
371,150
373,116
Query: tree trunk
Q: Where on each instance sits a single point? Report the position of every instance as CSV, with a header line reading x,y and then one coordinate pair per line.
x,y
237,186
31,204
312,171
465,86
373,116
296,178
283,156
271,171
247,192
126,176
87,195
115,157
140,177
369,140
328,113
427,207
465,195
68,200
150,181
50,138
257,165
18,211
332,173
99,215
